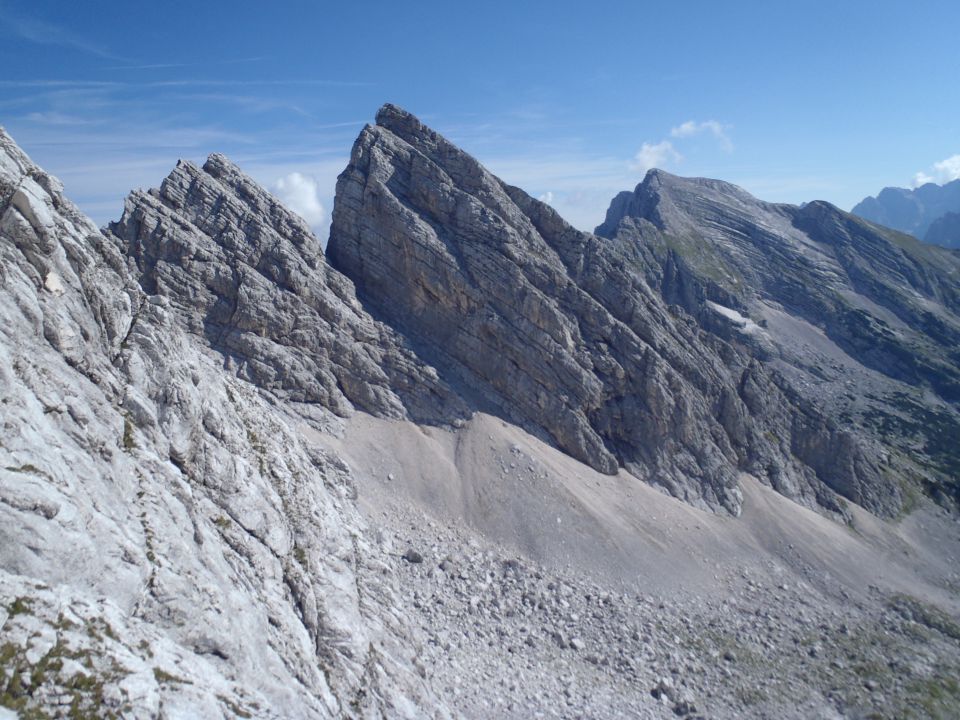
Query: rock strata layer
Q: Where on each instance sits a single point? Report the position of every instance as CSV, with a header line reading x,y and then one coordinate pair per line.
x,y
559,331
180,530
249,276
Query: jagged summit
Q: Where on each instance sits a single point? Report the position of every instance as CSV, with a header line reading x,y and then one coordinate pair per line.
x,y
399,121
250,276
167,530
676,204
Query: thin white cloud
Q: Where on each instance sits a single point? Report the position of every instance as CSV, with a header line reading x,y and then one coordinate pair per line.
x,y
44,33
547,198
949,168
655,155
301,193
942,172
60,84
691,128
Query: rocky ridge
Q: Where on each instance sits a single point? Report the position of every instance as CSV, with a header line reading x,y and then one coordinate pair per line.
x,y
249,276
183,535
477,273
859,321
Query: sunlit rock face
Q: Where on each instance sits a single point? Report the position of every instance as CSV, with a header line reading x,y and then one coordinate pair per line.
x,y
167,532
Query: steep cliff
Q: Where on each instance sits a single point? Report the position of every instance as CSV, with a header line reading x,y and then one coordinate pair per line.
x,y
238,482
249,277
555,329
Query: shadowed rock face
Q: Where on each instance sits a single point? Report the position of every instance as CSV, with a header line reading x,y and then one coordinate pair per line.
x,y
859,320
558,330
945,231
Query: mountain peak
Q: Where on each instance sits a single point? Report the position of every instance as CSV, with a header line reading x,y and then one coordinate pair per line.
x,y
250,275
555,330
883,303
390,114
408,126
183,478
672,202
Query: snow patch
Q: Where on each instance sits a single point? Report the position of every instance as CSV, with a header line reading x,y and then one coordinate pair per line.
x,y
743,323
54,283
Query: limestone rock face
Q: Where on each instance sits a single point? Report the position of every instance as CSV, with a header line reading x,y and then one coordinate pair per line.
x,y
859,321
249,276
165,529
556,329
179,531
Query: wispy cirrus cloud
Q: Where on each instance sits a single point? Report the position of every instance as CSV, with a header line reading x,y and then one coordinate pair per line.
x,y
103,138
170,65
191,82
45,33
941,172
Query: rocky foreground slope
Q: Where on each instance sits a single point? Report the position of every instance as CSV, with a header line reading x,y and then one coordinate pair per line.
x,y
172,545
238,481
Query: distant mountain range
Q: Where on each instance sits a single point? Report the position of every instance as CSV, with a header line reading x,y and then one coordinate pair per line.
x,y
930,212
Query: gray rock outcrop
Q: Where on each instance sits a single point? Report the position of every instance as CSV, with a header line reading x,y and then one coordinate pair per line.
x,y
249,276
181,534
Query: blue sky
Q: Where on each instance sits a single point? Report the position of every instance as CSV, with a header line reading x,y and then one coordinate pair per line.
x,y
571,101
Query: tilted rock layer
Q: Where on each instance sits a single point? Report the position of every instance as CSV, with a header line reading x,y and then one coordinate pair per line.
x,y
559,330
178,538
249,276
860,321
